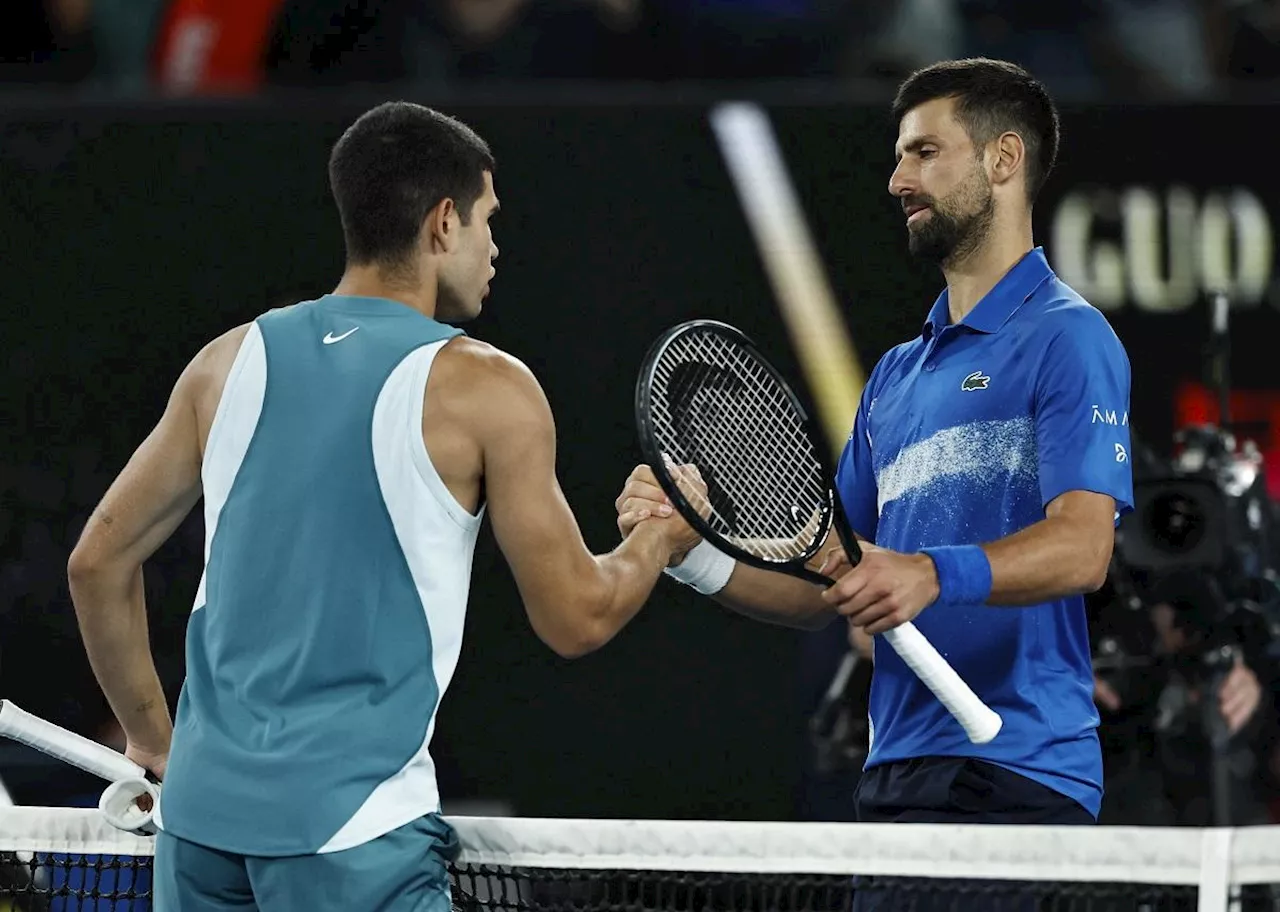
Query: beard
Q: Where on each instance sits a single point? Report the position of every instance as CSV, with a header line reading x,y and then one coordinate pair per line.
x,y
956,226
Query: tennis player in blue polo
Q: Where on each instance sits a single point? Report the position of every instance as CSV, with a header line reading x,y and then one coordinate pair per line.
x,y
990,458
987,467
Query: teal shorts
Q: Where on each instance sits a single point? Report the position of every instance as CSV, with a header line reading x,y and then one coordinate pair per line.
x,y
403,871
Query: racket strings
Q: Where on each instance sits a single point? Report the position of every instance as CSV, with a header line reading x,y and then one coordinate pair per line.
x,y
781,424
714,405
714,436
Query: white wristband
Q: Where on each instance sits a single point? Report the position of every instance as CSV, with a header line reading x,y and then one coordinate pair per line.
x,y
705,568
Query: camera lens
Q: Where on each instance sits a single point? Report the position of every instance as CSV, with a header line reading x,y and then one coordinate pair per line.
x,y
1176,522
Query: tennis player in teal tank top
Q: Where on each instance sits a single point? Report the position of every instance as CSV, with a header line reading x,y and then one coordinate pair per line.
x,y
341,446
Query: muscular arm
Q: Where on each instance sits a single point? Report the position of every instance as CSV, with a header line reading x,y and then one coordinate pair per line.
x,y
575,600
1084,475
151,496
1066,553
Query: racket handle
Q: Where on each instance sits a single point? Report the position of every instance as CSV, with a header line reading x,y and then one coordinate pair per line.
x,y
119,804
980,722
128,780
56,741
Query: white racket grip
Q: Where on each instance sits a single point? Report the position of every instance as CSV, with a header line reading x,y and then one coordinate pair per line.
x,y
65,745
119,804
980,722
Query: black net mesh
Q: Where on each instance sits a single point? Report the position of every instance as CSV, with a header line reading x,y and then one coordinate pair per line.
x,y
58,882
80,883
480,887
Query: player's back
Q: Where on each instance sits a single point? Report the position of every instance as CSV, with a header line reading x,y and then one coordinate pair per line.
x,y
329,618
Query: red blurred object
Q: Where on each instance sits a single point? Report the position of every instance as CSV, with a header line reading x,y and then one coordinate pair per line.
x,y
213,46
1196,404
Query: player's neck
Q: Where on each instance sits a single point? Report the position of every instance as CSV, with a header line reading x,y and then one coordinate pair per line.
x,y
970,279
371,281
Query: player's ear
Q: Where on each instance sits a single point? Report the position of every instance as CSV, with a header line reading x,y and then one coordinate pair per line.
x,y
440,230
1006,157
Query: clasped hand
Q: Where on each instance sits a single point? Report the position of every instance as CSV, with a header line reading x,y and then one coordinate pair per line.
x,y
643,500
885,590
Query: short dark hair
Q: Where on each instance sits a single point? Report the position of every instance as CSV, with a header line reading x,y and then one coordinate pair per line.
x,y
393,166
992,97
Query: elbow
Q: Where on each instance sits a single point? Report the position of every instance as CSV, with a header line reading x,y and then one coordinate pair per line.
x,y
1092,580
578,620
83,572
576,641
574,647
92,573
574,630
1094,564
81,567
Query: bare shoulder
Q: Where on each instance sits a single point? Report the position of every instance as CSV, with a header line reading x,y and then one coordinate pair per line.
x,y
206,374
218,355
485,376
489,396
481,360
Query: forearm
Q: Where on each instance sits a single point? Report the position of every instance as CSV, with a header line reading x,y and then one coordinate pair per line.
x,y
1050,559
629,573
583,602
111,611
774,598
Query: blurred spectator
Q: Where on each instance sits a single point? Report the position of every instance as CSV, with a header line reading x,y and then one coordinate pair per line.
x,y
508,40
241,45
1158,716
767,39
1051,38
124,35
1081,48
1164,44
1089,47
894,38
213,45
331,42
46,41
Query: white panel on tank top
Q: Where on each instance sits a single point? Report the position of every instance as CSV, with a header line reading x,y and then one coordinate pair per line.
x,y
234,424
437,536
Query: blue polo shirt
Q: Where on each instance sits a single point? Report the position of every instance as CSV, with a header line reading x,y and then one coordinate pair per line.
x,y
963,436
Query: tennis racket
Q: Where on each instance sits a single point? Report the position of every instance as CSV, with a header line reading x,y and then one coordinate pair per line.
x,y
706,397
128,781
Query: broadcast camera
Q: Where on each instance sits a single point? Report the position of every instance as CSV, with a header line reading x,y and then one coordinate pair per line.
x,y
1201,546
1202,538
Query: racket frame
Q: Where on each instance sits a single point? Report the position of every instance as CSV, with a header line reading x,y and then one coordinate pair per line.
x,y
832,512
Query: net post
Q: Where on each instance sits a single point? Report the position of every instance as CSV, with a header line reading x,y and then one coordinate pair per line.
x,y
1214,889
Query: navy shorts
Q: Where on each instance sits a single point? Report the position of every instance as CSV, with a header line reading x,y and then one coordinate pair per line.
x,y
954,790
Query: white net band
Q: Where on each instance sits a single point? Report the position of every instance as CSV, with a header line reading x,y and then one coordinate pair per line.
x,y
1215,864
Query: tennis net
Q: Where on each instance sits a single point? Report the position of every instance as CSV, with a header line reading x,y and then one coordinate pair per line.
x,y
70,860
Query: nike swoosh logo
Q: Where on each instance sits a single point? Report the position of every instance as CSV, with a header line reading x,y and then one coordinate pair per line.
x,y
330,338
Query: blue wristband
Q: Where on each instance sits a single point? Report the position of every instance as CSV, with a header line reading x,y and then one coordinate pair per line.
x,y
964,574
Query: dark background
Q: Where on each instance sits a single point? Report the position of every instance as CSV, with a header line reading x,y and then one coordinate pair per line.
x,y
130,236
